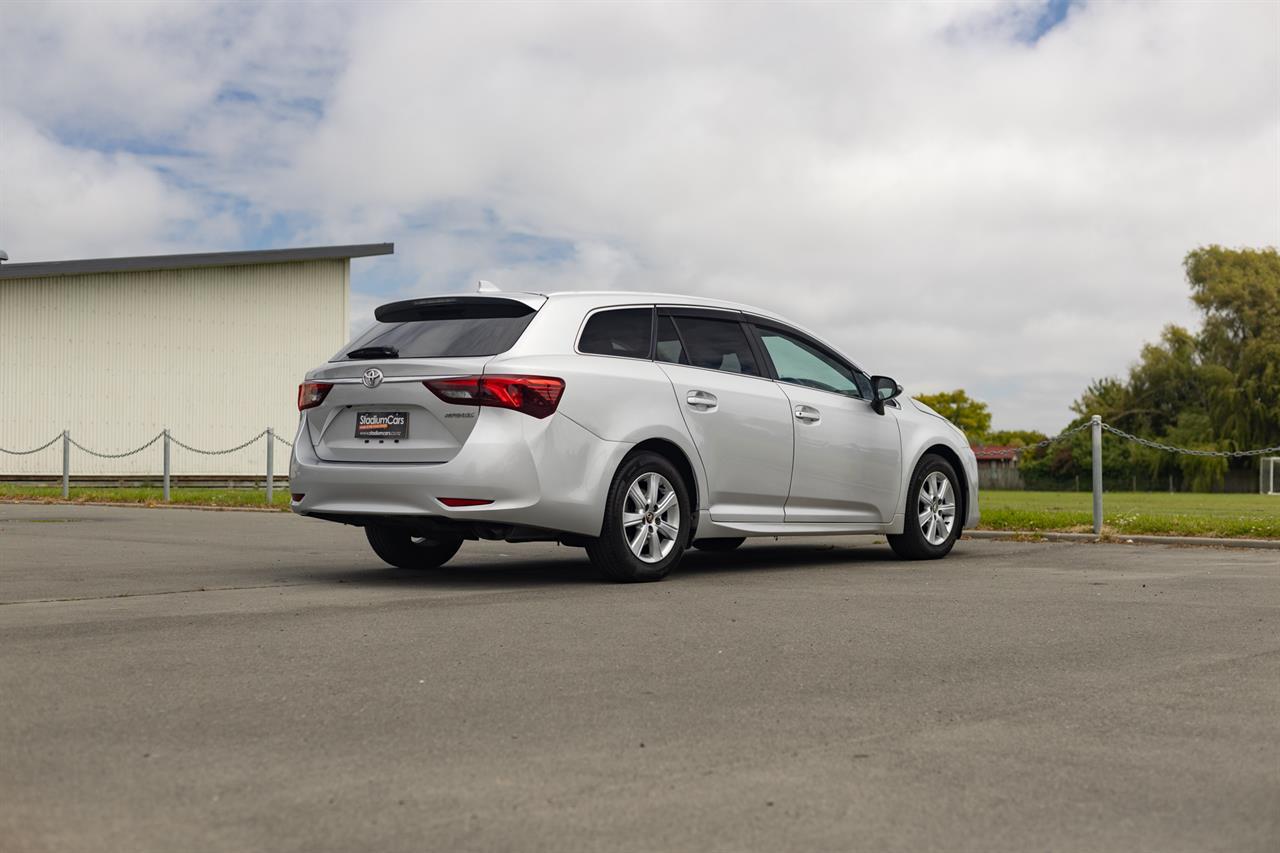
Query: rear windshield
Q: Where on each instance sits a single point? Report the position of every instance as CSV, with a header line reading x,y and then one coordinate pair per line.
x,y
452,328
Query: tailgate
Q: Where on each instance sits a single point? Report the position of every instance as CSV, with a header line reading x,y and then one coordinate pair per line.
x,y
397,420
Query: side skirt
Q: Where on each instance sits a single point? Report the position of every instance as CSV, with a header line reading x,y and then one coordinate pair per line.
x,y
712,529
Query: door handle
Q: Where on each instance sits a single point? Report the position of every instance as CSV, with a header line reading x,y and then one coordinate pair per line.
x,y
701,400
808,414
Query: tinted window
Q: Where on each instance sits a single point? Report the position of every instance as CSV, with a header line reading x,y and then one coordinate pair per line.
x,y
668,344
800,363
624,332
454,330
717,344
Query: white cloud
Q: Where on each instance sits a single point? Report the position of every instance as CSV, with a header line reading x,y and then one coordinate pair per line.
x,y
52,196
952,205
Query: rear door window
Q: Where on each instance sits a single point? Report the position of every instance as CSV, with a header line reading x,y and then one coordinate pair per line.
x,y
624,332
455,328
717,344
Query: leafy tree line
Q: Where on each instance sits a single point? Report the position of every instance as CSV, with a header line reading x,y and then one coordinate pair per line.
x,y
1217,388
974,417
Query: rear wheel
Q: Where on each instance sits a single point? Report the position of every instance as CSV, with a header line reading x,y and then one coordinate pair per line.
x,y
933,518
415,553
646,521
718,544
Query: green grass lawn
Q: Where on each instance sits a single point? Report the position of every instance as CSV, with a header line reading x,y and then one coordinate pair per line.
x,y
1178,514
149,496
1248,516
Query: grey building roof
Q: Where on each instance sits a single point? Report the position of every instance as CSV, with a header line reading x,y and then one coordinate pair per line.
x,y
44,269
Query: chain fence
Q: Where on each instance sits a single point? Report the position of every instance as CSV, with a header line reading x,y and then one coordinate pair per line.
x,y
133,452
1186,451
240,446
1095,424
167,440
1007,452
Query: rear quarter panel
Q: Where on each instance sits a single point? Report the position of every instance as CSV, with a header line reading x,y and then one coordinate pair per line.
x,y
625,400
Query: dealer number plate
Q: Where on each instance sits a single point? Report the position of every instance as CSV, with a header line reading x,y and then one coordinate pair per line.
x,y
382,424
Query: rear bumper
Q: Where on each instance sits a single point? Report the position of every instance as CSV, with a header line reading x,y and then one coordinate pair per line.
x,y
551,473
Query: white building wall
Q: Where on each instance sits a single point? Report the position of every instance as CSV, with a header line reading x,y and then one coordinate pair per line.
x,y
215,354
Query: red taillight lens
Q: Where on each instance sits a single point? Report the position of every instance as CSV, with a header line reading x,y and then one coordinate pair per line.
x,y
533,395
311,394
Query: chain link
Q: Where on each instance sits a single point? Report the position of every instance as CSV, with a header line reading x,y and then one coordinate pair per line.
x,y
29,452
159,436
1128,436
1018,451
1186,451
77,444
218,452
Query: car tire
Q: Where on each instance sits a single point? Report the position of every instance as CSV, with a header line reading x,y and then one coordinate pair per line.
x,y
631,517
402,549
719,545
925,534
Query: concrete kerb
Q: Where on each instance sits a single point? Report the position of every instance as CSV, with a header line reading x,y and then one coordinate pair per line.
x,y
1120,539
128,505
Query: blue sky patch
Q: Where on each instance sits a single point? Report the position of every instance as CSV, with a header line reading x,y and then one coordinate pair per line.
x,y
1053,12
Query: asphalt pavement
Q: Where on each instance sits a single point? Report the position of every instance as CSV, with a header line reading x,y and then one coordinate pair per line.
x,y
227,681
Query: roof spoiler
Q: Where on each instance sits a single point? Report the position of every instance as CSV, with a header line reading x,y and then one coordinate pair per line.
x,y
454,307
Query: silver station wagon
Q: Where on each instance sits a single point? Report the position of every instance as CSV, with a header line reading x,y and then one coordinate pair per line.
x,y
634,425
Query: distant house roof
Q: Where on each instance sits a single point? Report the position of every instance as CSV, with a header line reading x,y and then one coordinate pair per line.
x,y
44,269
995,452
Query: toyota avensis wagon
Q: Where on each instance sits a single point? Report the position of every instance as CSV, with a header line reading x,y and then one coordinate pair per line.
x,y
632,424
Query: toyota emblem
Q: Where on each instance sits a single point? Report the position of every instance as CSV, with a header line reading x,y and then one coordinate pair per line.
x,y
372,378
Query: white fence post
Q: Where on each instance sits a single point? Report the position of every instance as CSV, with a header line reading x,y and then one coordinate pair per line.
x,y
1097,473
166,464
271,474
66,464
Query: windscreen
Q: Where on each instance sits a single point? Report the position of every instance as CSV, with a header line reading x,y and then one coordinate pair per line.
x,y
452,328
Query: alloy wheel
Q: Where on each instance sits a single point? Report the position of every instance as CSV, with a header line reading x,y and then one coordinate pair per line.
x,y
651,517
937,508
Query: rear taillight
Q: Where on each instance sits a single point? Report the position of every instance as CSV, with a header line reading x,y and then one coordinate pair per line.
x,y
534,395
311,394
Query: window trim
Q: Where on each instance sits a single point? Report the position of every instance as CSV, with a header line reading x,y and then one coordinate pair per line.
x,y
756,323
684,346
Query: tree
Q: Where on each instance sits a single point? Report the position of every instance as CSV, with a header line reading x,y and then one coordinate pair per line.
x,y
969,414
1214,389
1239,292
1014,437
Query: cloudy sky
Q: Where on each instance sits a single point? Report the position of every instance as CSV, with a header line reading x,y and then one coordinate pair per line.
x,y
983,195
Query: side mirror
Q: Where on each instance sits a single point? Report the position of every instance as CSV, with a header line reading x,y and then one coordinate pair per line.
x,y
883,389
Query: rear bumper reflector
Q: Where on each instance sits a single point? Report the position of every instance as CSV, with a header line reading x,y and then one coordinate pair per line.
x,y
455,502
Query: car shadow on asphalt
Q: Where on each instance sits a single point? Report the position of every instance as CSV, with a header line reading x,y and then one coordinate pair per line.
x,y
508,569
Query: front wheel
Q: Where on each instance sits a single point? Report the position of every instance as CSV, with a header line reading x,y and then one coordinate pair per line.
x,y
646,521
403,550
933,518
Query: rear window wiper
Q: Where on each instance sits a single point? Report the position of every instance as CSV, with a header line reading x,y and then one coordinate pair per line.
x,y
374,352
